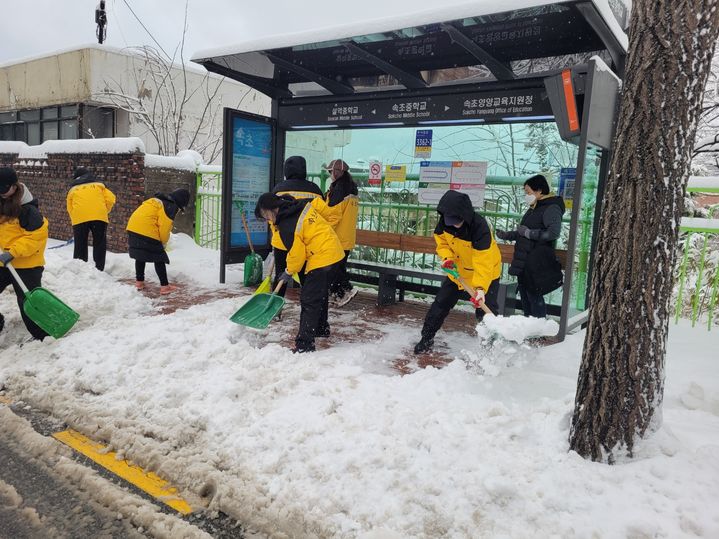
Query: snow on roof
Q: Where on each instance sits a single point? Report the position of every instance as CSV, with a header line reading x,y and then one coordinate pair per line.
x,y
108,49
99,145
184,162
12,146
441,12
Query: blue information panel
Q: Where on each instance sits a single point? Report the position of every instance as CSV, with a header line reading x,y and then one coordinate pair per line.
x,y
251,166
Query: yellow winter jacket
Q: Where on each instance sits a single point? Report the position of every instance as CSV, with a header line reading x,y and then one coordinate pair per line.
x,y
151,220
331,215
312,242
343,196
472,246
25,237
89,200
477,267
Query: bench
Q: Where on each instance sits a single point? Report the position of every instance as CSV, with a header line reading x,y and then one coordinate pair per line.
x,y
388,281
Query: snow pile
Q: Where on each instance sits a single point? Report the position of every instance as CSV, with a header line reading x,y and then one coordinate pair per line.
x,y
336,444
99,145
11,146
516,328
178,162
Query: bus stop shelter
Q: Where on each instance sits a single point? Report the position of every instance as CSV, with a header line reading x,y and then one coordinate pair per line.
x,y
533,61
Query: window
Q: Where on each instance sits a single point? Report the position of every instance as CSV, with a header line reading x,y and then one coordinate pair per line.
x,y
38,125
98,122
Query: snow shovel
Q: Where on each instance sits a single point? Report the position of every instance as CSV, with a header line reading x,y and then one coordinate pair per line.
x,y
265,285
454,273
45,309
253,261
259,311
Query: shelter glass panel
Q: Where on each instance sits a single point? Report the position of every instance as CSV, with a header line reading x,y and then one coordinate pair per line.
x,y
396,200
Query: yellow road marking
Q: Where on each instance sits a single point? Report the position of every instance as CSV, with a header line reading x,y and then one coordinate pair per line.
x,y
149,482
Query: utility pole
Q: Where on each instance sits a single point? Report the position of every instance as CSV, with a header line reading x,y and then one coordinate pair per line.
x,y
101,20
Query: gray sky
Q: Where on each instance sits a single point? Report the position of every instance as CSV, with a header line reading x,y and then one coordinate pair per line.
x,y
38,27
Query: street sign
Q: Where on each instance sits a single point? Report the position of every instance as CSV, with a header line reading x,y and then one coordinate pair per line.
x,y
375,173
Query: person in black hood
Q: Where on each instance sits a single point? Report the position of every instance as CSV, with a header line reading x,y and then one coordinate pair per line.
x,y
465,244
312,251
148,232
297,186
540,226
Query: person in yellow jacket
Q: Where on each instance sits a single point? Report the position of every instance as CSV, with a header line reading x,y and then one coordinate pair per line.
x,y
464,243
343,196
297,186
23,237
313,250
148,232
89,202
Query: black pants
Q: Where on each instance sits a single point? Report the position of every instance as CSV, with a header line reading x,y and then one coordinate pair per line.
x,y
280,267
81,233
340,281
32,277
447,297
532,303
313,306
160,269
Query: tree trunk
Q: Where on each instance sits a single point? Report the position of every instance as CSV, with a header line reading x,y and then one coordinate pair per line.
x,y
621,378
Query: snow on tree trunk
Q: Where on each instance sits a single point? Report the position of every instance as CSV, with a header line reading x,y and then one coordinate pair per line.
x,y
621,378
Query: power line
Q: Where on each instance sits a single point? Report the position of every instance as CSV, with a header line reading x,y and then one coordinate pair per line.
x,y
146,30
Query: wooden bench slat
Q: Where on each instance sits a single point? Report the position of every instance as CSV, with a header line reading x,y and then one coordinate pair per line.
x,y
427,245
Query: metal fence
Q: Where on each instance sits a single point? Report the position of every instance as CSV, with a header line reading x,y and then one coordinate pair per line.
x,y
698,272
394,207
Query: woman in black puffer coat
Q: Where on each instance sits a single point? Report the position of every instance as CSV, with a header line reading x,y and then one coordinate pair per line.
x,y
540,226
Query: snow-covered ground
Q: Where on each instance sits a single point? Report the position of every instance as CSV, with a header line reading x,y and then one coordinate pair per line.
x,y
336,444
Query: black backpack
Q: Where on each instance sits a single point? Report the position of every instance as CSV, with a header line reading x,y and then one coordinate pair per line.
x,y
542,271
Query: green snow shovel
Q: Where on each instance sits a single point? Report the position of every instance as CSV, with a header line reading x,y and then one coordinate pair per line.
x,y
45,309
260,309
253,261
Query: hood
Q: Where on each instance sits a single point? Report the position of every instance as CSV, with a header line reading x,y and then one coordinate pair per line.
x,y
551,199
26,195
296,168
290,207
456,204
181,197
87,177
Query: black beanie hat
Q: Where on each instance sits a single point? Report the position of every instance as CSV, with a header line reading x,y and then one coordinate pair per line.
x,y
296,168
79,171
8,178
181,197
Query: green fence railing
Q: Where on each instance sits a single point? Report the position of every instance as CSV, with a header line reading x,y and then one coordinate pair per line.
x,y
394,207
698,271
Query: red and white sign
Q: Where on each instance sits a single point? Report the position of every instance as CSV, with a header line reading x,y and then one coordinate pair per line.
x,y
375,173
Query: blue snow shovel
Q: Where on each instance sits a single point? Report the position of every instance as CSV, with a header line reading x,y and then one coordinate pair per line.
x,y
45,309
260,309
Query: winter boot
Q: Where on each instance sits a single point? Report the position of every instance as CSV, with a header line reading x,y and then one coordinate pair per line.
x,y
303,348
424,345
323,332
167,289
347,297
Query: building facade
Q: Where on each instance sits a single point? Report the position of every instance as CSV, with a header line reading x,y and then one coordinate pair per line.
x,y
103,92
